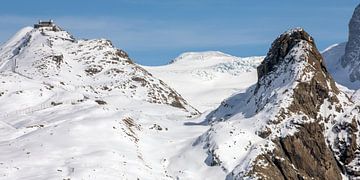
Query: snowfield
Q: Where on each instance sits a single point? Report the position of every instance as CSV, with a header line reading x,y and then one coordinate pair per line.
x,y
205,79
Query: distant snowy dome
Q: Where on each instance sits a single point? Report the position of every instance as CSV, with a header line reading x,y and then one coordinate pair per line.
x,y
200,56
196,75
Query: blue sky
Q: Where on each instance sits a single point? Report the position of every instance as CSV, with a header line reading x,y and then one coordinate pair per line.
x,y
155,31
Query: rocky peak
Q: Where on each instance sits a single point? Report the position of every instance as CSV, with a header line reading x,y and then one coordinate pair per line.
x,y
312,95
351,58
293,106
293,59
292,77
281,47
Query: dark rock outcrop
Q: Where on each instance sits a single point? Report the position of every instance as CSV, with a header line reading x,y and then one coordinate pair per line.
x,y
304,155
280,48
308,154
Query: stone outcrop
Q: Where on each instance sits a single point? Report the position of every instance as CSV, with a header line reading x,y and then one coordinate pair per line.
x,y
305,155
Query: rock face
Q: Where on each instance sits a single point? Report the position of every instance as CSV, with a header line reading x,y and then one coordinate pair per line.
x,y
351,58
296,114
305,155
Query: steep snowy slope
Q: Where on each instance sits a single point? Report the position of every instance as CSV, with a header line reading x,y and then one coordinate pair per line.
x,y
81,109
204,79
293,124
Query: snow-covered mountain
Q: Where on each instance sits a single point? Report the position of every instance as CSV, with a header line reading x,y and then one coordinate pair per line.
x,y
343,59
204,79
81,109
94,67
294,123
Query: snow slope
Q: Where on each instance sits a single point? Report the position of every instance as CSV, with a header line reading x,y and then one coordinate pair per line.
x,y
204,79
